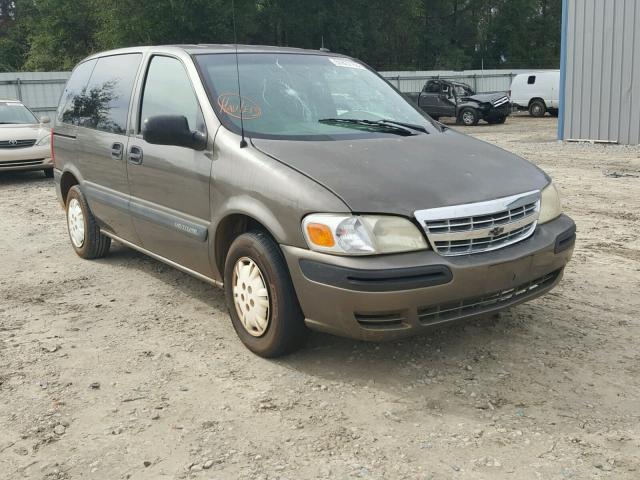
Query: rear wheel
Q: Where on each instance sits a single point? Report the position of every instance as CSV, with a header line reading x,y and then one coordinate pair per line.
x,y
537,108
84,232
469,117
262,303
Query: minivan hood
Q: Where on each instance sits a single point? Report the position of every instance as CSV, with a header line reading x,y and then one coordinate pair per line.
x,y
404,174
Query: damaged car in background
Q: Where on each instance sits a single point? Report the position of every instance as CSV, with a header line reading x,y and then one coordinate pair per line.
x,y
442,98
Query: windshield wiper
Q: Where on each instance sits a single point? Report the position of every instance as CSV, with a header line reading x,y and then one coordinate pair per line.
x,y
380,125
412,126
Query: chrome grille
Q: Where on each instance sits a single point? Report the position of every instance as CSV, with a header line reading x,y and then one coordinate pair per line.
x,y
17,143
20,163
483,226
500,101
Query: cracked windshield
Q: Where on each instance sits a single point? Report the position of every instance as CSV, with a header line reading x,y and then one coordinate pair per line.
x,y
306,97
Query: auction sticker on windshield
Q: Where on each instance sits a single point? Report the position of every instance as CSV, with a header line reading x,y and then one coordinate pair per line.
x,y
345,62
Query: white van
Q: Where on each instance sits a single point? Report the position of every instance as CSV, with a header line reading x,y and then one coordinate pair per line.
x,y
537,92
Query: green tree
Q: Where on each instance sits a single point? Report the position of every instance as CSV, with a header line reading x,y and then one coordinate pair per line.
x,y
398,35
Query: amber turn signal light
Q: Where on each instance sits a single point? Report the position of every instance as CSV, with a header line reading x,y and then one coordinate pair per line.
x,y
320,235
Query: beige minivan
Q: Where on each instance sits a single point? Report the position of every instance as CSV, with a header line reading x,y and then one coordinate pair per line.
x,y
306,186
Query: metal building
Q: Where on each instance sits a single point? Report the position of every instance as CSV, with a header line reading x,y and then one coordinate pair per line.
x,y
600,71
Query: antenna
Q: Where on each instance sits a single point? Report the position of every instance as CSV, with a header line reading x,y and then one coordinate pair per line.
x,y
243,142
322,48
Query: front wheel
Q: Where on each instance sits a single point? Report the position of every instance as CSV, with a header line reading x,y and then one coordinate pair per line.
x,y
262,303
469,117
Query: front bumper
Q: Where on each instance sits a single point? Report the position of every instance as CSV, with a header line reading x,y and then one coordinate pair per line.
x,y
494,113
394,296
30,158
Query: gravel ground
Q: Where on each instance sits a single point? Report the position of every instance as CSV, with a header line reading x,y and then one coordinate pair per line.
x,y
127,368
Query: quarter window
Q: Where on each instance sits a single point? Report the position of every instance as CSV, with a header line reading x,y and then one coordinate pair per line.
x,y
168,91
71,100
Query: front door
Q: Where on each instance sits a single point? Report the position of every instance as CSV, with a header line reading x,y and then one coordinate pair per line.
x,y
102,140
447,101
170,185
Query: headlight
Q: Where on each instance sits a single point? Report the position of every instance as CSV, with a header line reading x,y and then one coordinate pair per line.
x,y
46,140
550,207
361,235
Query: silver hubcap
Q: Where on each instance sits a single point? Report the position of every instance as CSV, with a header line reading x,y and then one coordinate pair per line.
x,y
75,223
251,296
467,117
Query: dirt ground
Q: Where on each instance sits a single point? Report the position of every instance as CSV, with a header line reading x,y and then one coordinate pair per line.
x,y
127,368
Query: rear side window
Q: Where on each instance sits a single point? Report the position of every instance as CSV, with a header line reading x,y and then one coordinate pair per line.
x,y
168,91
433,87
531,80
72,97
108,94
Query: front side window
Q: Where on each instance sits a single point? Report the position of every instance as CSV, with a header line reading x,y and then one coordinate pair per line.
x,y
168,91
105,102
302,96
13,113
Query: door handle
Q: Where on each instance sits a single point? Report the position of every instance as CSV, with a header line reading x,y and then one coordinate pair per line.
x,y
116,151
135,155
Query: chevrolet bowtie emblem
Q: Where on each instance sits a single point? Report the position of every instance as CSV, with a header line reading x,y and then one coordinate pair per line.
x,y
494,232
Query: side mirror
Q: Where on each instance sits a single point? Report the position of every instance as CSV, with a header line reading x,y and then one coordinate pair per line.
x,y
45,119
172,130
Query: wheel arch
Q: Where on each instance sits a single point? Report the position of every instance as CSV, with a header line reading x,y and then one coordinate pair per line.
x,y
67,180
236,221
534,99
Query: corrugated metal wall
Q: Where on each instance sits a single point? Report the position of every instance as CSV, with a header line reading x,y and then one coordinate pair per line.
x,y
601,70
40,91
480,81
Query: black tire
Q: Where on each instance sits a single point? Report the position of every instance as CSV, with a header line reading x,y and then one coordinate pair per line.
x,y
553,112
285,331
48,172
537,108
95,244
497,121
468,117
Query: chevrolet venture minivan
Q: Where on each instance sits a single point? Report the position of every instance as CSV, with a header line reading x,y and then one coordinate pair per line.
x,y
306,186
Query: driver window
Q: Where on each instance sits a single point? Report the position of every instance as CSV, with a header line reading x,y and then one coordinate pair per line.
x,y
168,91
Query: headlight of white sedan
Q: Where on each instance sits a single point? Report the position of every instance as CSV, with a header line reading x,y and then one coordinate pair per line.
x,y
343,234
550,206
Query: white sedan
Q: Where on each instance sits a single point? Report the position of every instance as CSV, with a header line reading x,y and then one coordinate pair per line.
x,y
25,141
